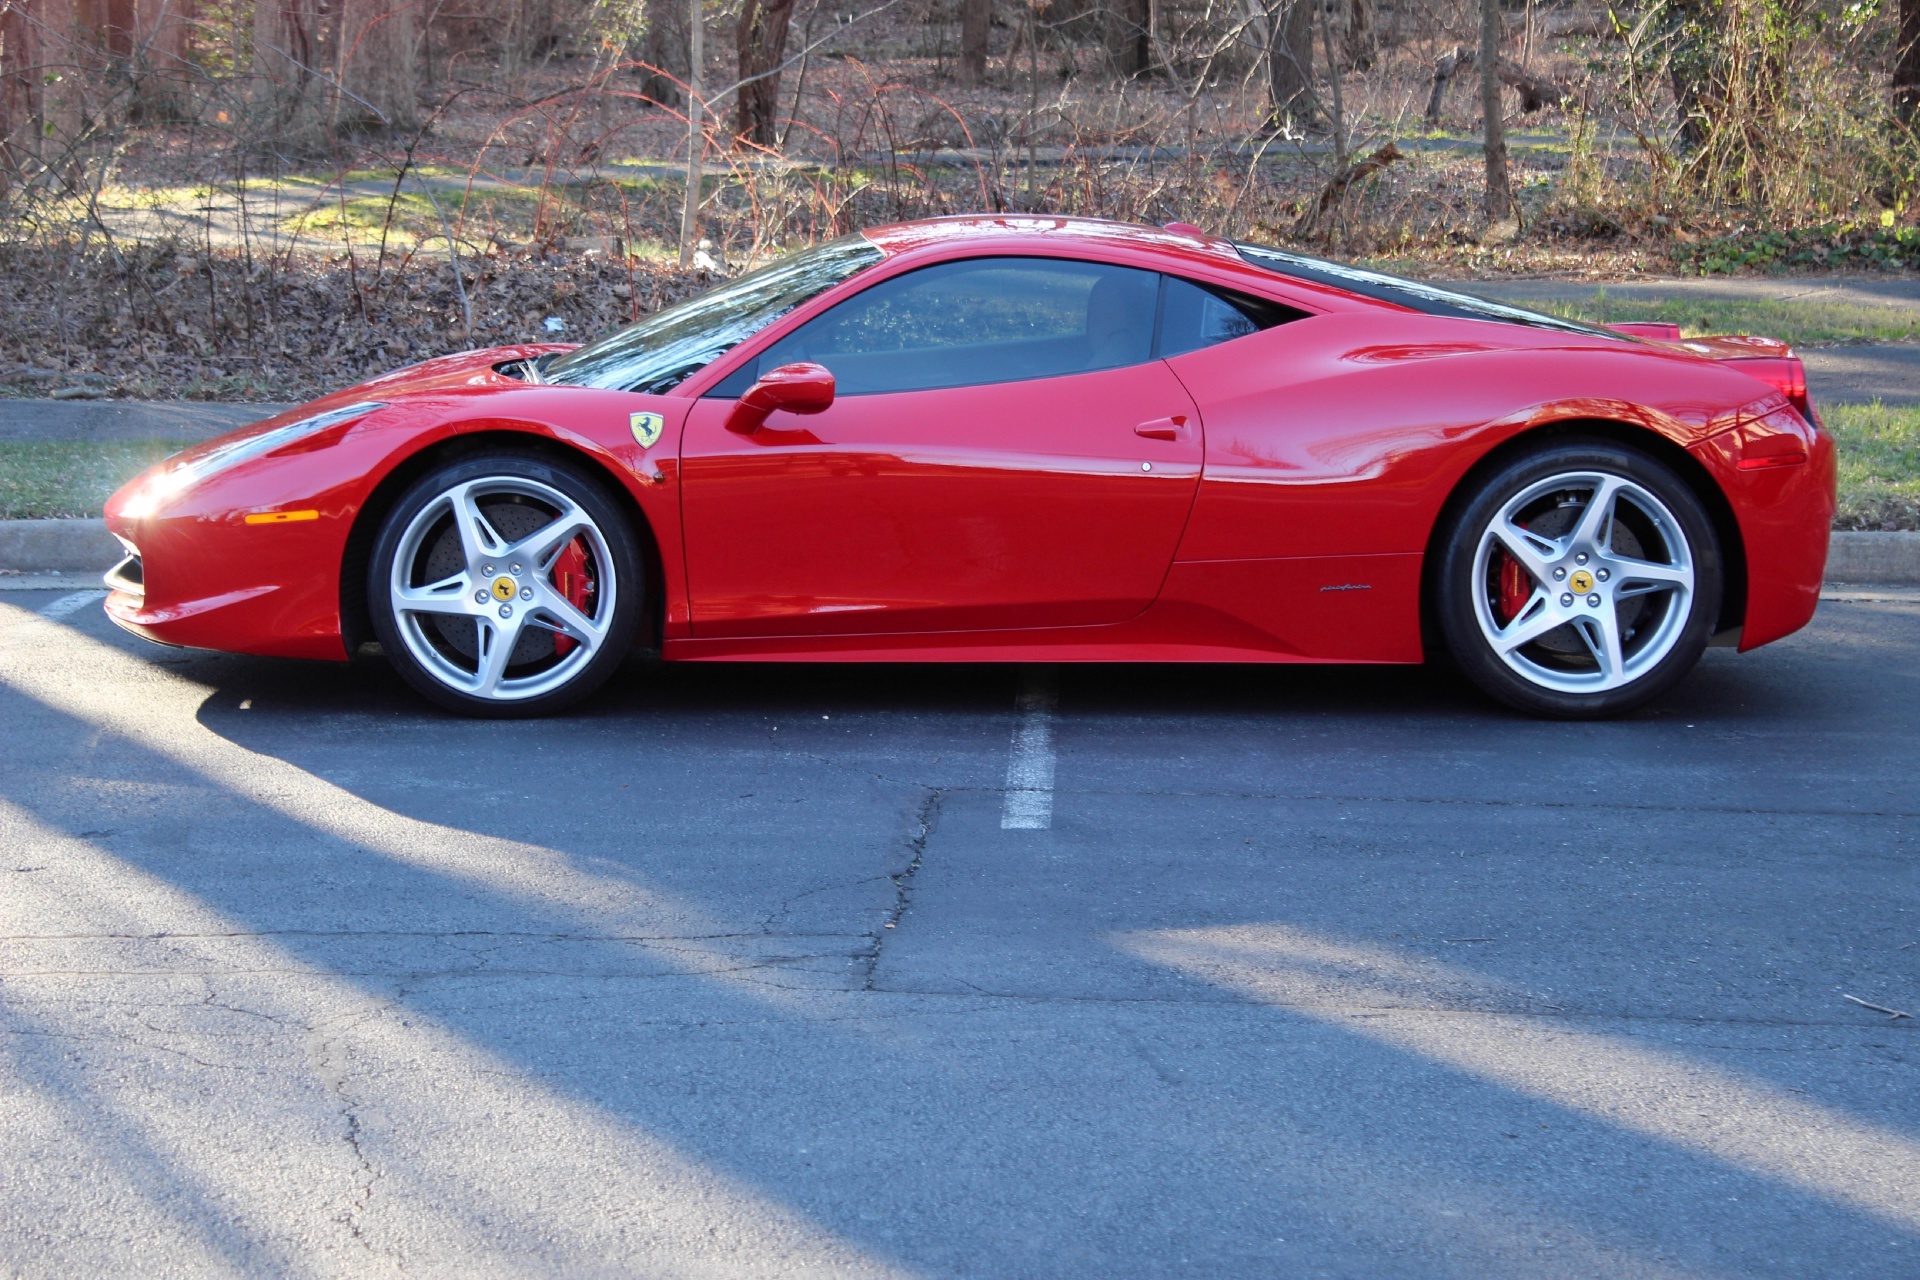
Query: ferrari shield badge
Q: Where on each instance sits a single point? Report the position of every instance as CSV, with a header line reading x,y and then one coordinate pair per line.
x,y
647,428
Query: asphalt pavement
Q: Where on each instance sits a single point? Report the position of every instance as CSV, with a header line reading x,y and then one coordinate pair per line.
x,y
857,970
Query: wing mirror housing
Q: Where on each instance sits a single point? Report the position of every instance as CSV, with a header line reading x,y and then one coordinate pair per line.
x,y
796,388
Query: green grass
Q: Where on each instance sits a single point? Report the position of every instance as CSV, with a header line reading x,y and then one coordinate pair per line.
x,y
1879,469
1879,447
1799,323
41,479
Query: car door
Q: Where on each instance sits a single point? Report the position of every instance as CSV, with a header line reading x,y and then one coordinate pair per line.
x,y
1003,451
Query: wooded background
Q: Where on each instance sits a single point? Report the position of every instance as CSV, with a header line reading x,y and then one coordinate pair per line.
x,y
1293,119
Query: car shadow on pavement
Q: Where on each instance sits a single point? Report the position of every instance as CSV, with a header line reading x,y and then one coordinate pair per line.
x,y
658,913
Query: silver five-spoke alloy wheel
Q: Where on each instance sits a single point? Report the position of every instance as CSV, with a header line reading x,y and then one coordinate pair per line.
x,y
506,584
459,576
1577,576
1605,580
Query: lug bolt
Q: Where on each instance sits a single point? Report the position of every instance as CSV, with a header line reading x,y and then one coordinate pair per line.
x,y
479,597
486,568
1593,601
506,611
1559,573
513,568
1581,558
1566,601
1604,574
526,593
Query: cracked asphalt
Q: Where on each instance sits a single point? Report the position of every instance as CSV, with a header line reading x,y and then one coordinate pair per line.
x,y
1314,972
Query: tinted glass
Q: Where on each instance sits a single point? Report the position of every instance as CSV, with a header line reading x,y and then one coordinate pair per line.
x,y
984,320
1406,293
1193,317
659,351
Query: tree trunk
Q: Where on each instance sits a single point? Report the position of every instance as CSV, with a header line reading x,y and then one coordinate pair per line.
x,y
152,45
696,134
1906,71
663,51
1499,192
976,23
1535,93
38,65
376,73
530,33
1129,43
1694,28
1290,60
762,45
287,59
1361,39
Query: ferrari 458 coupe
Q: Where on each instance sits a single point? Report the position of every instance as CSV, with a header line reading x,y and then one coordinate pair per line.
x,y
1018,438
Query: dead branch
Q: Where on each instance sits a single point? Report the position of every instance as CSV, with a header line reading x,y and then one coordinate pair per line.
x,y
1535,93
1892,1014
1337,186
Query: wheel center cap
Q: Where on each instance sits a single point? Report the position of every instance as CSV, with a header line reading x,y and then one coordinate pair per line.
x,y
1581,581
503,588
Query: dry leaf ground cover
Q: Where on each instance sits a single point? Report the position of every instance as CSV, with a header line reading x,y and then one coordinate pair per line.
x,y
168,323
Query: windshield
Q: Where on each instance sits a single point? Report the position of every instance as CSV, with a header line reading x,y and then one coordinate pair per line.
x,y
1407,293
658,352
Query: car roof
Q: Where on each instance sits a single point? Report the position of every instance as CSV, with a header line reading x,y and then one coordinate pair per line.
x,y
1051,233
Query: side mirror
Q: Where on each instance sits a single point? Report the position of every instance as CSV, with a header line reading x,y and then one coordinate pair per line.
x,y
797,388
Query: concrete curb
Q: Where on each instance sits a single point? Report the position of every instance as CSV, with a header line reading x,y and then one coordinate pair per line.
x,y
64,546
85,547
1874,557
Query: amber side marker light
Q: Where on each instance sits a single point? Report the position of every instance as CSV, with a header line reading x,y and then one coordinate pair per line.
x,y
281,517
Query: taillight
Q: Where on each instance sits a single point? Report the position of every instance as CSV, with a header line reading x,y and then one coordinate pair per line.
x,y
1786,374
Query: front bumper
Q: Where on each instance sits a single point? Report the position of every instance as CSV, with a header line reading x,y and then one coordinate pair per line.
x,y
221,584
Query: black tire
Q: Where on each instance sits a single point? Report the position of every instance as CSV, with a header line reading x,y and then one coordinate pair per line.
x,y
1546,676
517,489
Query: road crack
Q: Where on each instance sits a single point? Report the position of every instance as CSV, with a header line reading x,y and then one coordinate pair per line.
x,y
924,822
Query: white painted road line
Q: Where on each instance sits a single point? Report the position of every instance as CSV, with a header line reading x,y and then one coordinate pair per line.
x,y
1029,803
71,604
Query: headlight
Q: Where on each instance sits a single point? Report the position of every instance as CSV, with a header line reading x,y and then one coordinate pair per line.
x,y
175,480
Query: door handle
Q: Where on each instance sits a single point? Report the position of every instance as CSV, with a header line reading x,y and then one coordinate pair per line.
x,y
1174,428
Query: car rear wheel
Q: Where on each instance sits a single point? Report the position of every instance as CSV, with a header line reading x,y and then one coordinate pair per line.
x,y
1580,580
505,585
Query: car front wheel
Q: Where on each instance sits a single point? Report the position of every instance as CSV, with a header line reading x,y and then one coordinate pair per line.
x,y
505,585
1580,580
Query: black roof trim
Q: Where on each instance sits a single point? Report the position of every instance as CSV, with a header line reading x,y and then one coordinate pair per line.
x,y
1407,293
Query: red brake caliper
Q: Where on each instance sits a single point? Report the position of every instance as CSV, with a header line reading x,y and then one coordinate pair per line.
x,y
1516,588
571,579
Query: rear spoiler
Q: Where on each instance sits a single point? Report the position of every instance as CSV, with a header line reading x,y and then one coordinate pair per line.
x,y
1771,362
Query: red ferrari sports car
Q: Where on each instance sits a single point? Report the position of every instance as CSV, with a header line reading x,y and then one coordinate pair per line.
x,y
1017,439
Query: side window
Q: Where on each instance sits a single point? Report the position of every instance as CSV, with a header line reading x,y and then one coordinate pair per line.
x,y
983,320
1193,317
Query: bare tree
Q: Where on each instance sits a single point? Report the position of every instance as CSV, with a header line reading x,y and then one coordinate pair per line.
x,y
375,72
976,23
287,61
1493,133
29,90
1693,28
1290,59
696,136
1129,36
1362,39
1906,71
762,41
663,50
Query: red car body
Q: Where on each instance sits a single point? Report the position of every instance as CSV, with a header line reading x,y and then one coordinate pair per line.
x,y
1269,499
